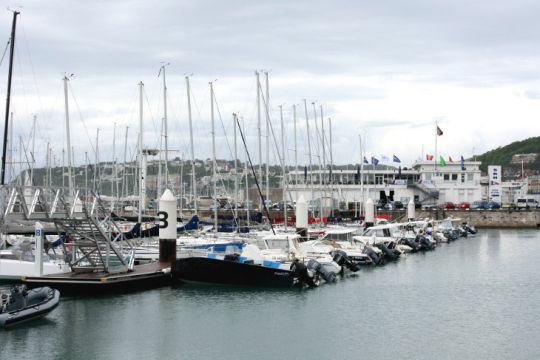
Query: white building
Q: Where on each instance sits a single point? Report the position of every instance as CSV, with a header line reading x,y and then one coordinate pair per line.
x,y
425,182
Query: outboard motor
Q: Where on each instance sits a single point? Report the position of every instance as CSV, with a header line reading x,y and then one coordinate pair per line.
x,y
409,242
340,257
316,266
424,242
388,253
377,260
470,228
304,275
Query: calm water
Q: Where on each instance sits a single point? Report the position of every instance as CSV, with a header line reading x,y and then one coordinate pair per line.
x,y
476,298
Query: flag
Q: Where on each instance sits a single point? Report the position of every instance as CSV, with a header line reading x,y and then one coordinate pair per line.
x,y
374,161
450,159
462,163
384,158
365,160
441,161
439,131
429,157
395,159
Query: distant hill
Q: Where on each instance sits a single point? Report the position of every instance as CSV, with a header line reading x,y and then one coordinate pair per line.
x,y
503,155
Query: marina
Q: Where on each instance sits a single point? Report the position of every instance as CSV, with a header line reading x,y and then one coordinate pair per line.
x,y
464,300
269,180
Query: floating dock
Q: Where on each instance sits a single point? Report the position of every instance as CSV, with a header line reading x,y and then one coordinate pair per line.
x,y
142,277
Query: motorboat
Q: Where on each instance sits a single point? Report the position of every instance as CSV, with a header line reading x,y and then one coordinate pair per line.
x,y
19,304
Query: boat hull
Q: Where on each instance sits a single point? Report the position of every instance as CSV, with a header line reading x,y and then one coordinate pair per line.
x,y
34,311
224,272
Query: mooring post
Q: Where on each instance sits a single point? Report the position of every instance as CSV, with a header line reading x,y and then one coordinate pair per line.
x,y
38,258
302,217
167,227
370,213
411,210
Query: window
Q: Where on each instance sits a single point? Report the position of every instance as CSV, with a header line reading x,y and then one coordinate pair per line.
x,y
462,178
446,177
470,177
454,177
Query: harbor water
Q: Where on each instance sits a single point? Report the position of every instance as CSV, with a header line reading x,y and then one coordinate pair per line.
x,y
475,298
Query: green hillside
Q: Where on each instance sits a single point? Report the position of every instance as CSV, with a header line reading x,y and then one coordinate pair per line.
x,y
503,155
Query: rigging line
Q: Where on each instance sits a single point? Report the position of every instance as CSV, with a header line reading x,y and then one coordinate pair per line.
x,y
272,130
5,51
82,118
152,118
223,126
255,176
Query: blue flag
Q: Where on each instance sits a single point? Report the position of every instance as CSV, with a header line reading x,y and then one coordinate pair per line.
x,y
396,159
365,160
462,164
374,161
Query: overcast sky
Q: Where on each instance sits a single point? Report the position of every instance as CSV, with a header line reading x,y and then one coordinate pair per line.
x,y
385,69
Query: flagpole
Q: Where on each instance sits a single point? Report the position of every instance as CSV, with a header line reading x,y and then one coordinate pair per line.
x,y
435,158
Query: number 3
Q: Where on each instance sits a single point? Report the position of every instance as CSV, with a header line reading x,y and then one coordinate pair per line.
x,y
163,216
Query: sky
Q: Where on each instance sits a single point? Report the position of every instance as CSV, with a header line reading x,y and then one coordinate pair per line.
x,y
385,72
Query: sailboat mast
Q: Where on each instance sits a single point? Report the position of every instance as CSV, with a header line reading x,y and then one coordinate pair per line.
x,y
259,126
247,180
267,106
193,177
309,152
124,174
113,177
33,153
295,148
332,165
214,158
284,198
141,162
8,97
165,126
235,176
68,136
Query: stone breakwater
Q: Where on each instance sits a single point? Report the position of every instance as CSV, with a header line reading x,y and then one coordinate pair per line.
x,y
489,218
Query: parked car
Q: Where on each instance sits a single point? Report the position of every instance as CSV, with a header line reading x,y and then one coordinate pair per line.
x,y
464,205
479,205
492,205
509,206
429,206
447,206
526,203
398,205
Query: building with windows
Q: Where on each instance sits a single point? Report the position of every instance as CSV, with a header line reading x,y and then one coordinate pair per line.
x,y
426,183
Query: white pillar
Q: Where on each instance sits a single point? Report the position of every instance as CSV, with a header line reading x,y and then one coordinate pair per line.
x,y
370,212
38,260
167,226
411,211
301,216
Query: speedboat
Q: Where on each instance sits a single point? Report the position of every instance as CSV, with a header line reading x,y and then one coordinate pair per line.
x,y
18,304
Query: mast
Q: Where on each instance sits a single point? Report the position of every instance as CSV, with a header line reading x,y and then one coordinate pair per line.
x,y
47,165
113,180
332,165
159,178
213,157
283,166
33,150
141,162
68,136
323,146
97,180
259,127
165,126
247,181
267,108
309,153
11,171
8,92
295,148
86,170
193,177
320,165
235,176
124,175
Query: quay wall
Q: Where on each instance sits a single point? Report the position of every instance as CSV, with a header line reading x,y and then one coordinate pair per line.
x,y
479,218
